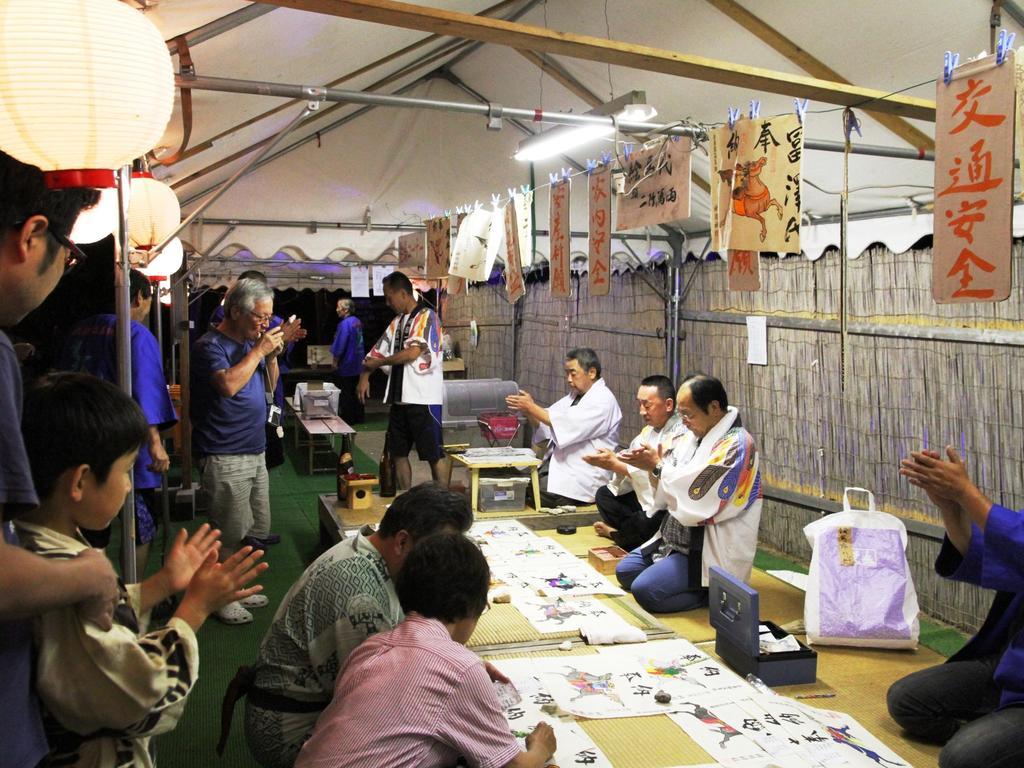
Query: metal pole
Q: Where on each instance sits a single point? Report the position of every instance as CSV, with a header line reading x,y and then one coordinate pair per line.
x,y
292,91
209,249
310,108
123,336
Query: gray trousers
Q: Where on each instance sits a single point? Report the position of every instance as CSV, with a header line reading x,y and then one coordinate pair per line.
x,y
239,491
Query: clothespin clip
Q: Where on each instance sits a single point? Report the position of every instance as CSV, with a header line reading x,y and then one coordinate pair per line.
x,y
606,157
566,174
495,201
734,115
949,62
755,109
459,210
850,124
525,188
553,178
512,193
591,166
477,205
801,109
627,150
447,213
1004,44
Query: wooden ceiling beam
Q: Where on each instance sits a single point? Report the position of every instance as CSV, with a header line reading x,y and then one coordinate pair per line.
x,y
816,68
642,57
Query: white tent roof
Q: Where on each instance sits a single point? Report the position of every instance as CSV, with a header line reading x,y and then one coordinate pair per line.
x,y
407,164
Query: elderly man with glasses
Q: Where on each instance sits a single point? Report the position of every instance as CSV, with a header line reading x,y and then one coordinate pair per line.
x,y
234,372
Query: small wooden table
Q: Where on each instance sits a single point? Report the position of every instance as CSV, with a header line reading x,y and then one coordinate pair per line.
x,y
320,432
474,467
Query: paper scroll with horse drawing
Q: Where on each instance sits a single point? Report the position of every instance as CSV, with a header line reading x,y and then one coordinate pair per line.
x,y
759,162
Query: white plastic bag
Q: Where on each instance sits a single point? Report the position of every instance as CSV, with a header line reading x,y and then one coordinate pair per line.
x,y
860,591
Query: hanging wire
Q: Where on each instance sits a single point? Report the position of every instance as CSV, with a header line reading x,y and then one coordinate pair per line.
x,y
608,35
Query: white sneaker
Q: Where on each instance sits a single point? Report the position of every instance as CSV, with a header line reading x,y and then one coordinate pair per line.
x,y
255,601
233,613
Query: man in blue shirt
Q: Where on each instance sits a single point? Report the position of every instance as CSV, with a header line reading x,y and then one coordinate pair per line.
x,y
34,252
91,347
234,372
974,703
348,354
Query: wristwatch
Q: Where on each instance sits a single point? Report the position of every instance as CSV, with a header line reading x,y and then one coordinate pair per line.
x,y
656,472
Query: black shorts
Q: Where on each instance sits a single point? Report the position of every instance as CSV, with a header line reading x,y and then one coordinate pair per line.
x,y
418,425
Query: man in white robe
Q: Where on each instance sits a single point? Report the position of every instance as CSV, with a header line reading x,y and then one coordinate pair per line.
x,y
711,487
626,504
582,423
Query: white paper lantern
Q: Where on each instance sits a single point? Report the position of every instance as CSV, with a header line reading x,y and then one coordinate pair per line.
x,y
97,222
153,211
167,262
83,83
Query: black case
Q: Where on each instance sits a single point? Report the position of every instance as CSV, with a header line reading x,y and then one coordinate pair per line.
x,y
734,613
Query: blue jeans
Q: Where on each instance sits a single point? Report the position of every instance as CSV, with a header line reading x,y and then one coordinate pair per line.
x,y
661,586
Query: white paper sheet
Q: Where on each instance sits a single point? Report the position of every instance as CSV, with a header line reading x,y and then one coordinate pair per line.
x,y
757,340
379,273
361,282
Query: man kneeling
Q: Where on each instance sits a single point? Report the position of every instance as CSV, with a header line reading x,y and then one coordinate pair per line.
x,y
415,695
711,487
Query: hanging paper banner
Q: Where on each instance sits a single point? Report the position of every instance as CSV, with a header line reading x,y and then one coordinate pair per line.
x,y
600,255
439,247
558,237
470,253
412,254
657,186
1019,121
765,184
515,286
524,220
723,166
495,240
744,271
974,182
455,285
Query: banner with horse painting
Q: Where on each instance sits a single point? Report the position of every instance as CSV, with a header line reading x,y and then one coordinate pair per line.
x,y
759,161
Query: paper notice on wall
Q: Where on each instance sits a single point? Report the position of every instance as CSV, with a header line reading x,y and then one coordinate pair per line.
x,y
379,273
757,340
360,287
599,258
558,238
971,253
439,247
412,254
469,257
657,185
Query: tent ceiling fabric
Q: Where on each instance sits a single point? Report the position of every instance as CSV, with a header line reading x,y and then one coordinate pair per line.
x,y
408,164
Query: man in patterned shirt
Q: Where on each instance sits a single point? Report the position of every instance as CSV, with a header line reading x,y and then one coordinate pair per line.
x,y
345,596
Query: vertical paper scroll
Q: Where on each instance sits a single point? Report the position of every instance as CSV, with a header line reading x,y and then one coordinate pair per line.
x,y
974,182
558,236
439,247
515,287
600,255
412,254
469,257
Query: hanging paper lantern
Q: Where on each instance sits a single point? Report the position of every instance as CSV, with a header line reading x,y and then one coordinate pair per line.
x,y
153,212
84,84
167,262
99,221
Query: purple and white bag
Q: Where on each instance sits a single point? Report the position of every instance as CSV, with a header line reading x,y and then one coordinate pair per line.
x,y
859,588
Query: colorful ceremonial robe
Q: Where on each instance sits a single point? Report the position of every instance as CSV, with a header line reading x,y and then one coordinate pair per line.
x,y
716,483
639,480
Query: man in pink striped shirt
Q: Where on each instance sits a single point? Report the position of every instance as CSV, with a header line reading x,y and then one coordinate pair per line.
x,y
415,696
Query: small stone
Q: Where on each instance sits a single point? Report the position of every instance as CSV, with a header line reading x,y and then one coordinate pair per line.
x,y
501,596
549,709
565,645
662,698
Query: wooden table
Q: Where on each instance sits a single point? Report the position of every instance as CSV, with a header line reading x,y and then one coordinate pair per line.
x,y
474,468
319,436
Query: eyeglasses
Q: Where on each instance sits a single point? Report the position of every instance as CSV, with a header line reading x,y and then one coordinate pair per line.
x,y
261,318
75,254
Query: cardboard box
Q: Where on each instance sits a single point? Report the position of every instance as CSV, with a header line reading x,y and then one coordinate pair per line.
x,y
605,559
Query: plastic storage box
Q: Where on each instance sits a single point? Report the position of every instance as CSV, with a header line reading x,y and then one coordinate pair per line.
x,y
503,494
735,616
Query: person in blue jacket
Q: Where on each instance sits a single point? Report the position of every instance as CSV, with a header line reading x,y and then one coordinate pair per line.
x,y
348,352
974,703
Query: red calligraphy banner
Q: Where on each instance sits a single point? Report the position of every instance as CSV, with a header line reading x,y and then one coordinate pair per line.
x,y
600,256
974,183
657,186
412,254
744,271
515,286
558,237
439,247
